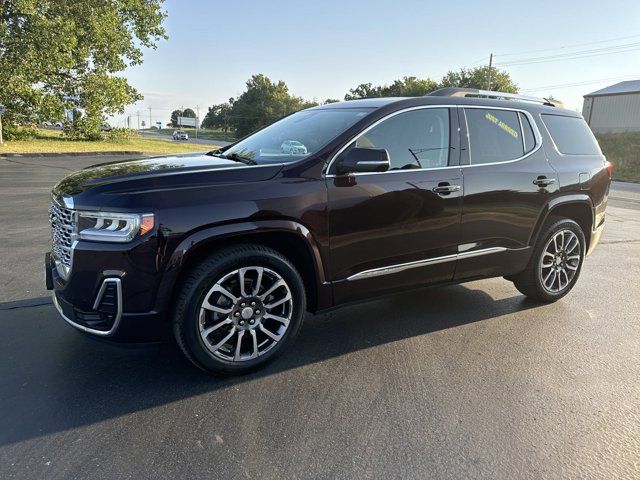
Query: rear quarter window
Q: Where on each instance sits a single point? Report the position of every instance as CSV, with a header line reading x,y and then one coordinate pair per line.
x,y
571,135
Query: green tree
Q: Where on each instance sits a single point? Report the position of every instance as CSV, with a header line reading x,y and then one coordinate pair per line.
x,y
188,113
52,49
479,78
173,121
219,117
409,87
262,103
405,87
364,90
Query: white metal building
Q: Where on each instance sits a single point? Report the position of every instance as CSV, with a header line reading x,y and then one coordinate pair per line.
x,y
614,109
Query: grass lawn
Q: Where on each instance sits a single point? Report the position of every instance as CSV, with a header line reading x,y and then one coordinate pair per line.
x,y
51,141
202,133
623,150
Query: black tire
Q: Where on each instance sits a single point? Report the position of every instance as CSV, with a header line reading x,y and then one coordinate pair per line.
x,y
197,284
531,282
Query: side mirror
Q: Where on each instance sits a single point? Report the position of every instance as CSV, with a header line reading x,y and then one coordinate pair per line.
x,y
364,160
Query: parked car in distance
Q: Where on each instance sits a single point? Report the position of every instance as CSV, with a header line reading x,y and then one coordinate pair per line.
x,y
226,251
47,123
180,135
104,127
293,147
59,124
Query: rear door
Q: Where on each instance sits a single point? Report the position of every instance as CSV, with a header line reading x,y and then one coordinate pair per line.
x,y
507,181
398,228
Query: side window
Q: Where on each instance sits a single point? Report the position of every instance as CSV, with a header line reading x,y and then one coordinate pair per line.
x,y
528,138
571,135
494,135
415,139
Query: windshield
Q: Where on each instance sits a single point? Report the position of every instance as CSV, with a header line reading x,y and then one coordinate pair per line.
x,y
297,136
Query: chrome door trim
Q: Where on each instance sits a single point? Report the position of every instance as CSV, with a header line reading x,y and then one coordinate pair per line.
x,y
376,123
484,251
534,126
376,272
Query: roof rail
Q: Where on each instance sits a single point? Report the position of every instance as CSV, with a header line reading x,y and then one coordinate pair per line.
x,y
474,92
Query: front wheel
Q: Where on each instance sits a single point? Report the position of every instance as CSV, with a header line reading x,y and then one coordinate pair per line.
x,y
239,309
555,264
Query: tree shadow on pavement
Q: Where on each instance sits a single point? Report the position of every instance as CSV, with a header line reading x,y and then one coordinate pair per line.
x,y
53,379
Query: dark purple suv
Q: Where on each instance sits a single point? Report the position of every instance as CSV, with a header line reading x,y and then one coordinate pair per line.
x,y
229,249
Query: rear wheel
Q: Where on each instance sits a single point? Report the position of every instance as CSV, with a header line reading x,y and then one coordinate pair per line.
x,y
239,309
555,264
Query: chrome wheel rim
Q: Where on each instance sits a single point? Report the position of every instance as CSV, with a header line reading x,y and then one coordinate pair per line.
x,y
560,261
245,314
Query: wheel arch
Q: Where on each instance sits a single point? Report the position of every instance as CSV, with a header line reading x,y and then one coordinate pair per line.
x,y
578,208
291,239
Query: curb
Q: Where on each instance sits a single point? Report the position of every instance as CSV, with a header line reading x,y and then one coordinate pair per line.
x,y
28,302
70,154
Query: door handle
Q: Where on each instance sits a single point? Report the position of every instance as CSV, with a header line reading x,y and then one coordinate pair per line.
x,y
544,181
446,189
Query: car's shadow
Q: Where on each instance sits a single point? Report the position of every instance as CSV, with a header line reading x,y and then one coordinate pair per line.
x,y
53,379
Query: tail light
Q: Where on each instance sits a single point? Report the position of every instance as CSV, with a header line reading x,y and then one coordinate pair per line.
x,y
609,166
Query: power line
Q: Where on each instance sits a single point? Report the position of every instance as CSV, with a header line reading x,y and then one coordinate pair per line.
x,y
576,84
566,46
629,47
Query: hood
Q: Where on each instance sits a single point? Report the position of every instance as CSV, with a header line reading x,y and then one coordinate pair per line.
x,y
164,169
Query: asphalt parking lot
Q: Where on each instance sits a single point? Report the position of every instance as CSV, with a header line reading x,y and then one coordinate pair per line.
x,y
469,381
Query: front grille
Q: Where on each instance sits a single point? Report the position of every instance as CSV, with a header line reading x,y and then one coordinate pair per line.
x,y
62,233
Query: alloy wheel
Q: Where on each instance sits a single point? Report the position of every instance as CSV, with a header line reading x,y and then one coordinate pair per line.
x,y
245,314
560,261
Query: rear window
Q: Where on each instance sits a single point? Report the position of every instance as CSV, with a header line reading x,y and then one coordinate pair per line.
x,y
494,135
571,135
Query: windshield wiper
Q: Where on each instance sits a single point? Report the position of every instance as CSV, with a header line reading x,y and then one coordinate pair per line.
x,y
235,157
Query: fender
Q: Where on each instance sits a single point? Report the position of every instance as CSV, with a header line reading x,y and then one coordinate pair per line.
x,y
555,202
194,240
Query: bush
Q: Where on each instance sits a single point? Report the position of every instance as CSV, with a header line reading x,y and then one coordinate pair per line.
x,y
118,135
83,128
11,131
623,150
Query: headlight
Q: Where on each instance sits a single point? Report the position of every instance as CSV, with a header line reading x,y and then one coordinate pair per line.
x,y
113,227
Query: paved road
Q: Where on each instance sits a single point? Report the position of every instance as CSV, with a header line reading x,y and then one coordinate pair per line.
x,y
199,141
458,382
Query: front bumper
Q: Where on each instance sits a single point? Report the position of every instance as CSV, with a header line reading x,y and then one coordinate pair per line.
x,y
105,316
110,304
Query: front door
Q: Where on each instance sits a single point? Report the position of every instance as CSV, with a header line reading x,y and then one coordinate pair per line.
x,y
398,228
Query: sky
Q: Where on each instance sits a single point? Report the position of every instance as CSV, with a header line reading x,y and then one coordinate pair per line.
x,y
321,49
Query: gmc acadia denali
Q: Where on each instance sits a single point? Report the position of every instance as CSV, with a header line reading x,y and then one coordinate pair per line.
x,y
229,249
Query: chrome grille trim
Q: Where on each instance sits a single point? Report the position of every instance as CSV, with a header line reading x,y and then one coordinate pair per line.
x,y
63,236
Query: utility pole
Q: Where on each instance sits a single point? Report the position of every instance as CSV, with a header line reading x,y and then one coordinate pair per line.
x,y
197,119
490,65
150,118
138,112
